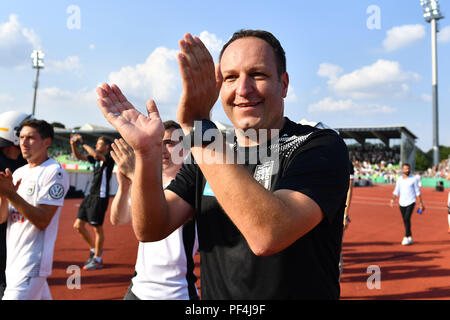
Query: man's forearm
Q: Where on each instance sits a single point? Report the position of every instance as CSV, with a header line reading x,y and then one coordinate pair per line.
x,y
38,216
349,198
91,151
3,210
148,204
120,207
420,200
76,152
269,221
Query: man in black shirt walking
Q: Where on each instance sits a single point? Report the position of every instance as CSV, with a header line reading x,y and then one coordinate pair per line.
x,y
270,207
93,208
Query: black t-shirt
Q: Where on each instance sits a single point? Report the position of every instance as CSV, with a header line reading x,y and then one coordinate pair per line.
x,y
11,165
313,162
99,168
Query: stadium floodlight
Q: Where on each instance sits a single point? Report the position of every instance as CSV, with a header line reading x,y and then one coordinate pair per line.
x,y
37,58
431,14
431,10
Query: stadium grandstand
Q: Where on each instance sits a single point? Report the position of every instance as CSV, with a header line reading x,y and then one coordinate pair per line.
x,y
377,152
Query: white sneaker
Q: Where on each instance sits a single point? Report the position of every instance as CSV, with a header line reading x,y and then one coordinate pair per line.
x,y
405,241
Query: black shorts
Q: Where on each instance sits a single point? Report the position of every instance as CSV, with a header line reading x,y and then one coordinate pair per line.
x,y
93,209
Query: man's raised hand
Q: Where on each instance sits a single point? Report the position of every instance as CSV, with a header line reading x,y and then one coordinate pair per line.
x,y
123,155
141,132
201,83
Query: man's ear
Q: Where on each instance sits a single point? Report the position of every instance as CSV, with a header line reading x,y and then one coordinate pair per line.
x,y
284,84
48,142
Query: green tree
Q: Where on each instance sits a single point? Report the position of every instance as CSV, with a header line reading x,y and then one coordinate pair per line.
x,y
444,152
423,160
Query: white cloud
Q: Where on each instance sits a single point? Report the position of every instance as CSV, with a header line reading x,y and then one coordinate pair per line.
x,y
329,105
54,94
444,35
71,63
212,43
291,95
381,79
157,78
16,43
74,107
328,70
92,46
403,36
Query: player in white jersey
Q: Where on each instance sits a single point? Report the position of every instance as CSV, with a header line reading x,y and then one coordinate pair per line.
x,y
31,201
165,268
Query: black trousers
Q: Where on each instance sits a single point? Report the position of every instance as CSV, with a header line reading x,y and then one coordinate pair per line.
x,y
406,216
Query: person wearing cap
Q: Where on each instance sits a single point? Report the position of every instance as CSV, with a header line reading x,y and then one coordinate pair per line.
x,y
10,158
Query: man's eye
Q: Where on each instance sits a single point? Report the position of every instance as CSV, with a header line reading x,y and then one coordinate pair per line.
x,y
259,75
230,78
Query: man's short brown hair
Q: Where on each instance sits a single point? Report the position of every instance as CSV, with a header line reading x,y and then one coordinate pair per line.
x,y
44,128
278,50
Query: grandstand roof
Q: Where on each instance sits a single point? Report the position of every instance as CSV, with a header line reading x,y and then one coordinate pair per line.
x,y
384,133
87,130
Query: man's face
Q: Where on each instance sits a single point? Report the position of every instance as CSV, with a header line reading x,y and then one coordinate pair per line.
x,y
101,146
32,145
252,92
168,149
406,170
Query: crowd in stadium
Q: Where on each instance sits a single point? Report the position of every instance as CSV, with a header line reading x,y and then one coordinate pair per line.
x,y
442,170
375,161
375,154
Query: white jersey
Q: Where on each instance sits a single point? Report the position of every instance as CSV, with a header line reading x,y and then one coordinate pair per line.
x,y
30,250
162,267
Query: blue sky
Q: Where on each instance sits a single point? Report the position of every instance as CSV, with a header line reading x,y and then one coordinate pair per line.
x,y
350,62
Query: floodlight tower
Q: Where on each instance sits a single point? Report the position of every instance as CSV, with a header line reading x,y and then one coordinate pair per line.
x,y
37,58
432,14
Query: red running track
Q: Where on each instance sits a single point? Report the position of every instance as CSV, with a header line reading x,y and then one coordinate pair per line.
x,y
419,271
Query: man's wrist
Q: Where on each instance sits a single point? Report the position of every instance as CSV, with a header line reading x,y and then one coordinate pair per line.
x,y
149,154
187,127
202,133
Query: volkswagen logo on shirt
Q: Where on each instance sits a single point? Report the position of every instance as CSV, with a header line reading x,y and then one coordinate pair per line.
x,y
56,191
